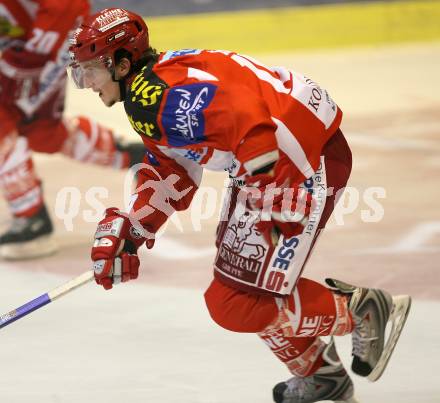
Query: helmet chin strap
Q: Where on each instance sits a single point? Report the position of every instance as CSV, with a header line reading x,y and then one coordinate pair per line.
x,y
122,89
122,86
122,82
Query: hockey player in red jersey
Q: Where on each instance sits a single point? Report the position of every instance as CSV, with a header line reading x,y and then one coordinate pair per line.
x,y
34,55
277,134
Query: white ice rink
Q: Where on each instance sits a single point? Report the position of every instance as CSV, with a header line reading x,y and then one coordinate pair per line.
x,y
141,344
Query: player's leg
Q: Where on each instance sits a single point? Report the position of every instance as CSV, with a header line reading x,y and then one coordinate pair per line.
x,y
310,312
291,327
365,312
371,308
330,382
29,234
294,339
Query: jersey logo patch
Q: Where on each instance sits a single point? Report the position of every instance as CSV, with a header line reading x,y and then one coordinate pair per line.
x,y
183,118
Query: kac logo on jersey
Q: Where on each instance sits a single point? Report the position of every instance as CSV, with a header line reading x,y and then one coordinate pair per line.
x,y
183,118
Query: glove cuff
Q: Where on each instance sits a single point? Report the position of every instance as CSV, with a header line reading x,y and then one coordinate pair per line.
x,y
121,227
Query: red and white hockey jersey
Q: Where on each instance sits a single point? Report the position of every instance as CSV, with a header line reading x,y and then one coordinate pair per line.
x,y
39,29
219,110
43,25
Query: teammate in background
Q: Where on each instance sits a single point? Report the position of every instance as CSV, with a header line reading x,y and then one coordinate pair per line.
x,y
33,59
277,134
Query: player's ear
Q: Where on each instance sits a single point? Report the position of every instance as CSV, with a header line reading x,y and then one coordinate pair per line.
x,y
122,68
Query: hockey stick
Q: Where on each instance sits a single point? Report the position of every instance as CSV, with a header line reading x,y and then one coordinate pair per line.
x,y
45,299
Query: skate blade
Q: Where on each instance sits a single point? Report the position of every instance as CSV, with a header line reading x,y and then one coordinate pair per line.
x,y
40,247
398,316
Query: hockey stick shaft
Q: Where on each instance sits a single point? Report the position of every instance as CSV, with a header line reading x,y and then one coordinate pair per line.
x,y
45,299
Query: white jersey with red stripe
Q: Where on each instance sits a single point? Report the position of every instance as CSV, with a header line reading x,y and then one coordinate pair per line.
x,y
219,110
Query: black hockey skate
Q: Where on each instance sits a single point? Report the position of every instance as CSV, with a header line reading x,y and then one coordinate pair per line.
x,y
330,383
28,237
372,310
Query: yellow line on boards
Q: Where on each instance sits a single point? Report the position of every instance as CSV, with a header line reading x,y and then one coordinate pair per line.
x,y
300,28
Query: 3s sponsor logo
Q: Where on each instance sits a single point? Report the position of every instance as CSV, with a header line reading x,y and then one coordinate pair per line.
x,y
275,281
285,254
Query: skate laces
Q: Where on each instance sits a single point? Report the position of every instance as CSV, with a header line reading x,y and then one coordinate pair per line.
x,y
361,338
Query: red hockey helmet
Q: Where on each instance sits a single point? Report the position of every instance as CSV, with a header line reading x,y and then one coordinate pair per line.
x,y
102,34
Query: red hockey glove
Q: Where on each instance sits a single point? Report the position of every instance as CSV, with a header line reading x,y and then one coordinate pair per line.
x,y
114,252
284,207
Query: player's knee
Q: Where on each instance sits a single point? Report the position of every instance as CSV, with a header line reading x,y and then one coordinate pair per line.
x,y
214,303
239,311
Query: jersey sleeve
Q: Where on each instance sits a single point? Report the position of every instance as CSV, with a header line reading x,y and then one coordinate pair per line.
x,y
164,185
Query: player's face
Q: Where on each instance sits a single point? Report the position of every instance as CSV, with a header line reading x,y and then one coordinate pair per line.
x,y
109,92
96,76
